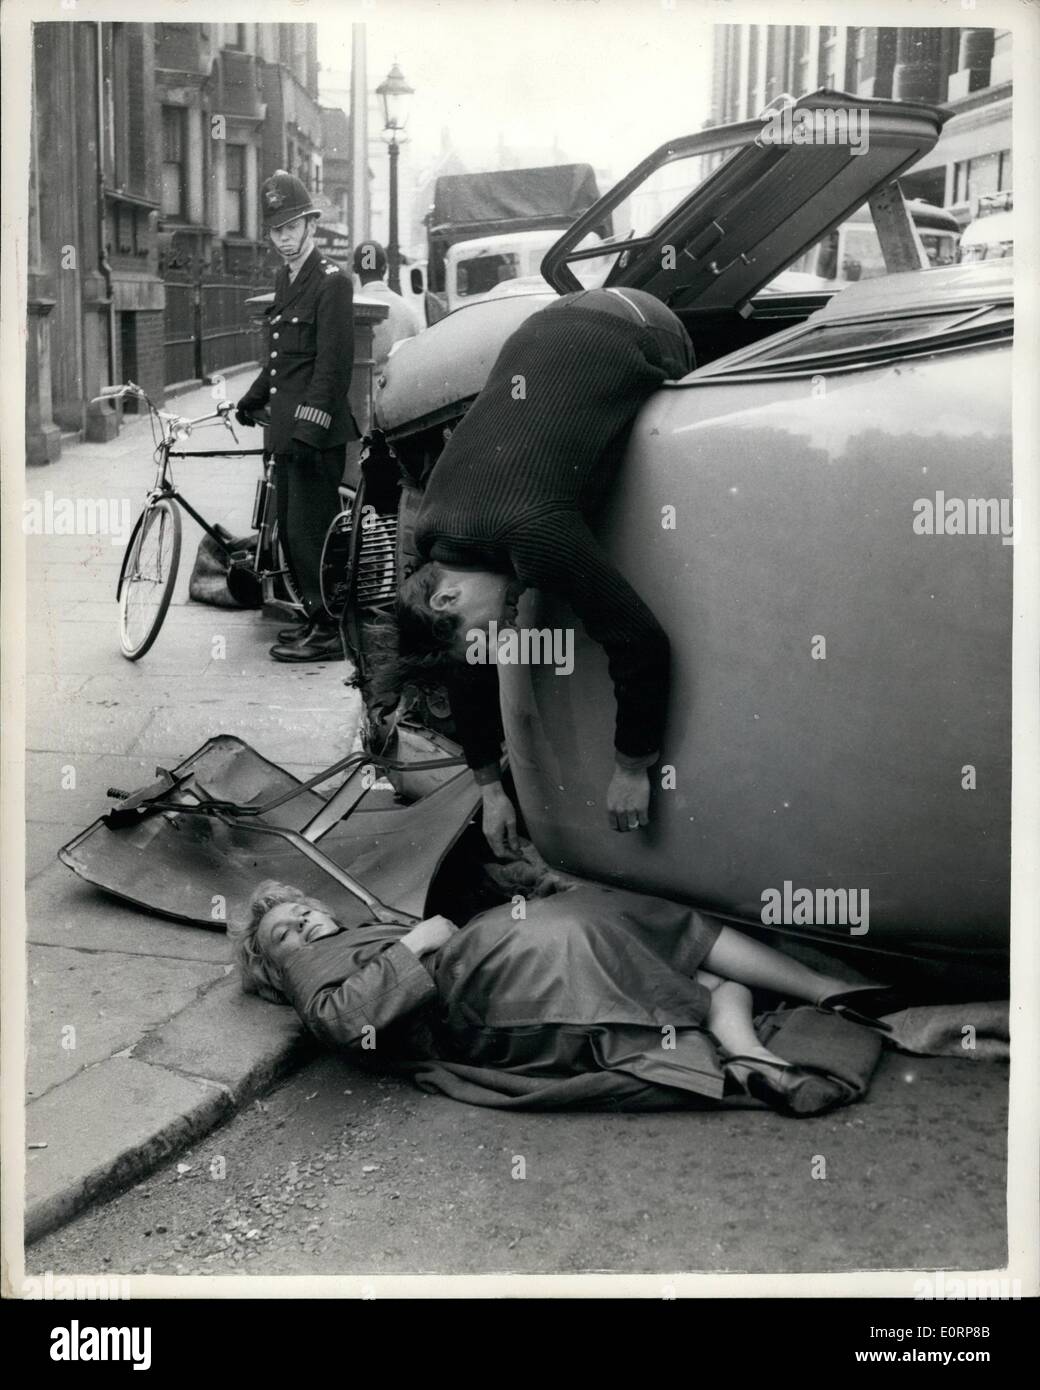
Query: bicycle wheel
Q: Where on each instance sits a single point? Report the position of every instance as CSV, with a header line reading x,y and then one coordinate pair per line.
x,y
148,575
336,562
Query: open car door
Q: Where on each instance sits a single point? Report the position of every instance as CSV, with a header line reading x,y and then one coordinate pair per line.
x,y
714,217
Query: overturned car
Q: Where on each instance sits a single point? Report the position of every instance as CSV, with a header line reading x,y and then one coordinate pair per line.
x,y
819,515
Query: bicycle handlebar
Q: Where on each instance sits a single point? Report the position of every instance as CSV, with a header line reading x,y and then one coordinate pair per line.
x,y
172,424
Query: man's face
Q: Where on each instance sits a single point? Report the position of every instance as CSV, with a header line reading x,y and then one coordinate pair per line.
x,y
478,597
290,926
290,237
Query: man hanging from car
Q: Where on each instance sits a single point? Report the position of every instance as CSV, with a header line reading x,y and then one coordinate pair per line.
x,y
506,507
304,383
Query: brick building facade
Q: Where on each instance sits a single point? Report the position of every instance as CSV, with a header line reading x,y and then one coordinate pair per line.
x,y
145,232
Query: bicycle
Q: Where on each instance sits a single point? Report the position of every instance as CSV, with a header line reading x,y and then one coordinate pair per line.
x,y
149,570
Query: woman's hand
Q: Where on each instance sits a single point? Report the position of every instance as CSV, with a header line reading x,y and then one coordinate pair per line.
x,y
628,799
499,821
429,936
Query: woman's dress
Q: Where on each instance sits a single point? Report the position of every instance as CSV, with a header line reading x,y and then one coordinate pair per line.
x,y
587,999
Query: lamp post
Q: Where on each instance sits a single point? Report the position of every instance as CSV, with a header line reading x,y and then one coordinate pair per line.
x,y
396,95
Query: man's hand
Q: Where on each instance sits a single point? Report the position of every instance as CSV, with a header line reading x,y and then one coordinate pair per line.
x,y
628,799
429,936
499,821
243,416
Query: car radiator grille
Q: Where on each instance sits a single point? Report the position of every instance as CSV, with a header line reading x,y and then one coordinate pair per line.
x,y
377,561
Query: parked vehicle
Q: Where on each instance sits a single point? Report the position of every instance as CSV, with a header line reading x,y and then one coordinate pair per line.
x,y
840,699
991,237
853,251
523,204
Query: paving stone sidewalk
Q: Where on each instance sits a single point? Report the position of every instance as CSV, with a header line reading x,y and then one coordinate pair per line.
x,y
139,1039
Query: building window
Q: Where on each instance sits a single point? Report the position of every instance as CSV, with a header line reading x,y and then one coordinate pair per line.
x,y
774,61
236,36
125,229
863,58
801,66
751,103
174,144
986,173
829,75
235,186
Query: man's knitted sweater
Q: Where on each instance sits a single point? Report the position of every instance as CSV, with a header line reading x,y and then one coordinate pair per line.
x,y
526,467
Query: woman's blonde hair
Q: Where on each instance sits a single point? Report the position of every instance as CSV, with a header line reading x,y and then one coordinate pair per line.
x,y
256,974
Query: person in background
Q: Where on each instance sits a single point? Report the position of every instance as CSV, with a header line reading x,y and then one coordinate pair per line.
x,y
304,383
402,321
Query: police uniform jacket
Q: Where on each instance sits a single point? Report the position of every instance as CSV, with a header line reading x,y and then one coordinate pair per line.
x,y
310,355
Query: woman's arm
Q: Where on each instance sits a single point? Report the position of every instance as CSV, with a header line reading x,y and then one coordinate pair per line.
x,y
341,999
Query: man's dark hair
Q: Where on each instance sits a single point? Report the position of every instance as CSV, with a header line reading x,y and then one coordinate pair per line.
x,y
369,260
425,640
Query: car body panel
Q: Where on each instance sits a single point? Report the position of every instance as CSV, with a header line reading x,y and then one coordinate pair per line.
x,y
450,361
842,766
794,521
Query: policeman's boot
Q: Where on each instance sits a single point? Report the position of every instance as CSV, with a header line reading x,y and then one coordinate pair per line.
x,y
321,642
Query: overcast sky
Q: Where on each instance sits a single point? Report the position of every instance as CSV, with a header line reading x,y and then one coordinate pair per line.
x,y
607,79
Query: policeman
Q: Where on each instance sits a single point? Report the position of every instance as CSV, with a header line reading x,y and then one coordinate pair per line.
x,y
304,382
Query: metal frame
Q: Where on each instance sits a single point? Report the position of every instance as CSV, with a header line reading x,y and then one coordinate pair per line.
x,y
165,796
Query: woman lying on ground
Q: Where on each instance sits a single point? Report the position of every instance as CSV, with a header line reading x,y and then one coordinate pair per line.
x,y
596,996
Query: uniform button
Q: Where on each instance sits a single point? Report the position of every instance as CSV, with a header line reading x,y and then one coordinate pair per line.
x,y
274,336
274,390
296,320
274,371
274,354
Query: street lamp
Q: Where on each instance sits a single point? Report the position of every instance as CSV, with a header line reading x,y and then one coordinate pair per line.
x,y
395,94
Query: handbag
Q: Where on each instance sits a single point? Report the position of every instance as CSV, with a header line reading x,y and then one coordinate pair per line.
x,y
807,1036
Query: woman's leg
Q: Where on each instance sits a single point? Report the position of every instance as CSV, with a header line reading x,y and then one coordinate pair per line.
x,y
763,1074
738,957
729,1022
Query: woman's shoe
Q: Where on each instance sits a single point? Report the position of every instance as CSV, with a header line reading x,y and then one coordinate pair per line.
x,y
795,1091
865,1005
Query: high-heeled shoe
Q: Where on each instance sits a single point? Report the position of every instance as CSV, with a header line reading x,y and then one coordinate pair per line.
x,y
865,1005
795,1091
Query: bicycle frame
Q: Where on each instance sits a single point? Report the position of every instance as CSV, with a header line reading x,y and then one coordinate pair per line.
x,y
170,429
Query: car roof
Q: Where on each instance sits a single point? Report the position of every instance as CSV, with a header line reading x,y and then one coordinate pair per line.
x,y
943,287
471,246
997,226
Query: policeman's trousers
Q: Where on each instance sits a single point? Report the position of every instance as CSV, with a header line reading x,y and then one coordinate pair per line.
x,y
308,500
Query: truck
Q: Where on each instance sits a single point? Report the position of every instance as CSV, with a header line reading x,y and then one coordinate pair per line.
x,y
509,215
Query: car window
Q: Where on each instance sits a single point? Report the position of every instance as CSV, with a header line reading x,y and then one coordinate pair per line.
x,y
843,337
643,210
480,274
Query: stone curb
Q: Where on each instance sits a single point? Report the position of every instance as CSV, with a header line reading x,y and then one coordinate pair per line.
x,y
140,1108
